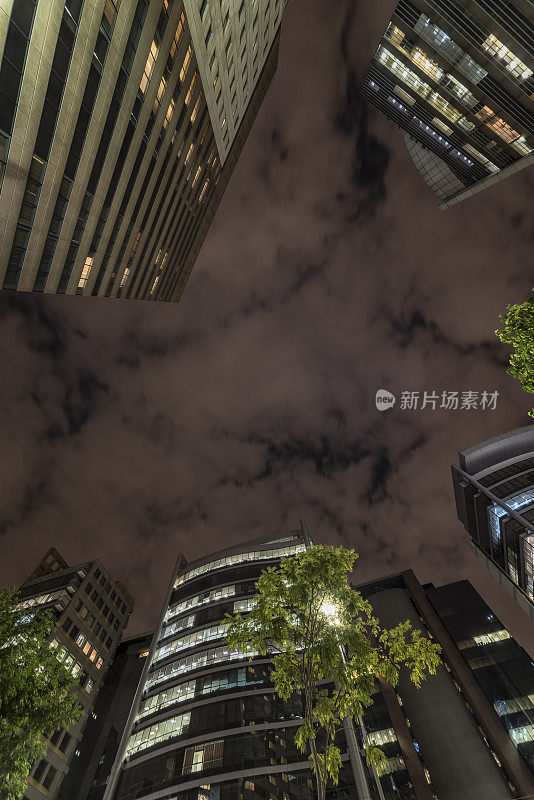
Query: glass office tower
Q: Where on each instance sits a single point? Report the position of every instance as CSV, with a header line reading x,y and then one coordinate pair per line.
x,y
120,124
207,724
92,611
458,78
494,491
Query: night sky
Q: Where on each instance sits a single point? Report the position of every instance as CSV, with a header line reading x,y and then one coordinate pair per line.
x,y
132,431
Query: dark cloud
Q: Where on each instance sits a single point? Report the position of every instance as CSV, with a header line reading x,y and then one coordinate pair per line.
x,y
134,431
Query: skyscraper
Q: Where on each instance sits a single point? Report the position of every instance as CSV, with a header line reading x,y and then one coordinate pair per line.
x,y
494,491
91,611
207,724
120,125
471,722
458,78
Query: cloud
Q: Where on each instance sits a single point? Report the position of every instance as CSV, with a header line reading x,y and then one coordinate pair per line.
x,y
134,431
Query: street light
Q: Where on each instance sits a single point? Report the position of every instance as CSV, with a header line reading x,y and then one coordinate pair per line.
x,y
332,612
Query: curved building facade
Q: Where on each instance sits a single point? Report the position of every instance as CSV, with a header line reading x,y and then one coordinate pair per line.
x,y
120,124
494,491
207,723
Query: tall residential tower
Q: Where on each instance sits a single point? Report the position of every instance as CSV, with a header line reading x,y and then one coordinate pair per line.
x,y
120,124
457,76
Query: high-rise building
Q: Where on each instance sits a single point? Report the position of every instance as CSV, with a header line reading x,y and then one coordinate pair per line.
x,y
89,773
207,724
472,722
92,611
503,670
457,76
120,125
494,491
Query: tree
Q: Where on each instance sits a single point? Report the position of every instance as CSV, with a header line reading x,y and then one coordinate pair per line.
x,y
37,693
519,332
306,616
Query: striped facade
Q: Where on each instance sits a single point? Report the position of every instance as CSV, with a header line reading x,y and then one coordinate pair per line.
x,y
120,124
458,79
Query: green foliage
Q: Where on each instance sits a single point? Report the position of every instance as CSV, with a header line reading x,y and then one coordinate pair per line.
x,y
288,622
37,693
519,332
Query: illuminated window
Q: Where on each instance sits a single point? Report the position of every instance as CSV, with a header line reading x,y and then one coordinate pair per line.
x,y
158,732
86,647
190,90
124,277
441,125
514,705
175,694
189,152
168,115
185,65
159,95
190,640
99,662
197,176
156,281
491,638
513,64
149,66
382,737
195,110
460,91
86,271
405,96
521,146
203,756
177,35
497,125
238,558
210,597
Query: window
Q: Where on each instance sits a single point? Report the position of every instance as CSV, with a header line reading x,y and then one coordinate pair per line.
x,y
168,116
513,64
86,271
185,65
190,90
50,775
149,66
238,558
204,756
160,731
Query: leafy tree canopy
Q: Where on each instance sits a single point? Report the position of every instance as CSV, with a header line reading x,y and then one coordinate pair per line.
x,y
37,693
303,612
519,332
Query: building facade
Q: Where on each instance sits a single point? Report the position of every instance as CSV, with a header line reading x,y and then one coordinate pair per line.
x,y
494,492
88,775
458,78
120,125
470,723
92,611
207,724
503,670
